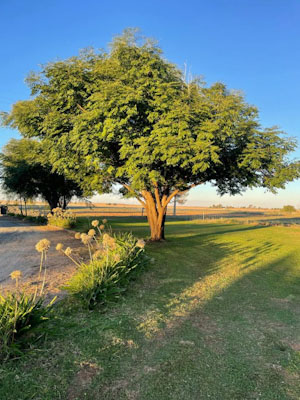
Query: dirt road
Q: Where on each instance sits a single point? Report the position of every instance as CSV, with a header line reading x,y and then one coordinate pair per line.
x,y
17,252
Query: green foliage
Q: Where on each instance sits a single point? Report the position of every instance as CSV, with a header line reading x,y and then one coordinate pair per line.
x,y
62,218
107,276
25,173
128,117
289,209
19,313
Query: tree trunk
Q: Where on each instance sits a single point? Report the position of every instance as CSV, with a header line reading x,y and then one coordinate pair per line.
x,y
25,206
155,202
53,202
21,207
156,214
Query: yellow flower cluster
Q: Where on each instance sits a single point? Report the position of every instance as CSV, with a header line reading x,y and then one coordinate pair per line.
x,y
43,245
140,243
86,239
109,241
68,251
16,274
59,246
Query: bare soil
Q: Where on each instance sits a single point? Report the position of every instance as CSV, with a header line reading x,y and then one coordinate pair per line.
x,y
17,252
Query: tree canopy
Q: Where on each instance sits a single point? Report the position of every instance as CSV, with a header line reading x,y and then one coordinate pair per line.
x,y
128,117
25,175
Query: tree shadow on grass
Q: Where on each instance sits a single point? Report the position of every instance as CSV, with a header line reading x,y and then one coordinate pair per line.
x,y
235,344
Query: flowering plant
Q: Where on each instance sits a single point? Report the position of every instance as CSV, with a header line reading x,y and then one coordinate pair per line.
x,y
61,218
20,311
114,260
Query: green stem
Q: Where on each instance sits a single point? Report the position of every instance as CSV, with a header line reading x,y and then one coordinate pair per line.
x,y
41,264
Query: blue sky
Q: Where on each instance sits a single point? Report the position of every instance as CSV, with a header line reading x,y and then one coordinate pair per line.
x,y
251,45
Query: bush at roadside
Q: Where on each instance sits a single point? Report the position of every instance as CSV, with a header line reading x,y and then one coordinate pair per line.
x,y
114,261
61,218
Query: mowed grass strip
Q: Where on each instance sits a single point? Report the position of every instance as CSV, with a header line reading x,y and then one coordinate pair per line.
x,y
215,316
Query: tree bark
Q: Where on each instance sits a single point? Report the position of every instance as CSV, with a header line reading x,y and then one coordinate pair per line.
x,y
156,215
53,202
155,202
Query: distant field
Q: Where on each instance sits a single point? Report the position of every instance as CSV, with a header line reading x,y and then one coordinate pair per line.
x,y
183,212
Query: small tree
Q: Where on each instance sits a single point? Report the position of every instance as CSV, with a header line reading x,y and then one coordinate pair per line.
x,y
24,174
289,209
128,117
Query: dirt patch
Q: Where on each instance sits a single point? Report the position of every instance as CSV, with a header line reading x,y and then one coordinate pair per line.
x,y
82,379
17,252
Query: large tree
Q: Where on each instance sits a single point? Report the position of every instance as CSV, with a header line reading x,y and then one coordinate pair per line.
x,y
23,172
128,117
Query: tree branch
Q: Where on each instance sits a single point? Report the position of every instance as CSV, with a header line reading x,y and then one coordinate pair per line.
x,y
81,108
156,192
134,193
176,191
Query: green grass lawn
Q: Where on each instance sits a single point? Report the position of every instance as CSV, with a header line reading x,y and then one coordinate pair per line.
x,y
215,316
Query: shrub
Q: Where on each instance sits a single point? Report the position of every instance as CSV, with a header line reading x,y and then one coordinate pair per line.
x,y
61,218
19,313
114,261
288,208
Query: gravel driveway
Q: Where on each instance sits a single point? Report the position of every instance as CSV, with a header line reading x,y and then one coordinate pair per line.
x,y
17,251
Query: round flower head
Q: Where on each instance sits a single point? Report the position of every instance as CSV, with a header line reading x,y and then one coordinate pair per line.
x,y
109,241
104,221
140,243
59,246
49,215
92,232
42,245
77,235
106,237
95,223
68,251
86,239
102,227
16,274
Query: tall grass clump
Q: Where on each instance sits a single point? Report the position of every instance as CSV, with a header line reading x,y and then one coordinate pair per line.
x,y
61,218
20,312
114,261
